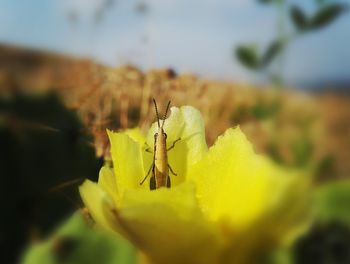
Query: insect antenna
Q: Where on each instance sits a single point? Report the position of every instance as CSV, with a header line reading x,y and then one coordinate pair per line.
x,y
66,184
155,106
166,112
77,205
59,189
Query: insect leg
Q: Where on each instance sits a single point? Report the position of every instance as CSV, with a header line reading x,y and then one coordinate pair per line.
x,y
168,183
151,168
171,170
152,183
148,149
173,145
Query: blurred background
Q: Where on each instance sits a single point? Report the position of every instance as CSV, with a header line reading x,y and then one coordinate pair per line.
x,y
69,69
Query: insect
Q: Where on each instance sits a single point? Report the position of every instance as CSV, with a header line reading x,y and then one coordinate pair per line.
x,y
160,167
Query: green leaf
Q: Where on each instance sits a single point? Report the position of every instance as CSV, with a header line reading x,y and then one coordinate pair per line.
x,y
332,203
326,243
247,55
326,15
76,242
262,111
302,151
299,18
272,51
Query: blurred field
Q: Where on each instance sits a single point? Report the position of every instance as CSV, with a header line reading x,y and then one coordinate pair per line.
x,y
294,127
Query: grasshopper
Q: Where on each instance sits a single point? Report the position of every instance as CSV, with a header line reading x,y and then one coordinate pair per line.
x,y
160,166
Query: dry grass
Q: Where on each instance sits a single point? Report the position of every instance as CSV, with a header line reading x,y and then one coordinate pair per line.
x,y
295,128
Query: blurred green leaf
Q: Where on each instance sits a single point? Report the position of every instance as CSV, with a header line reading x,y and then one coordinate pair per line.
x,y
333,203
299,18
76,242
272,51
262,110
302,151
281,256
247,55
325,166
328,241
325,243
326,15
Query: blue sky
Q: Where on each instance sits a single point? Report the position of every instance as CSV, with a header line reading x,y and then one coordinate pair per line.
x,y
193,35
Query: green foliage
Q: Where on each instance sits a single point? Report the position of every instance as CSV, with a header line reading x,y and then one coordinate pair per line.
x,y
333,203
322,18
247,55
325,14
271,52
262,110
302,151
76,242
324,244
298,18
328,241
259,111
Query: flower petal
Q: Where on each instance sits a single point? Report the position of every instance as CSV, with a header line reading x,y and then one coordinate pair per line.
x,y
236,184
194,134
136,134
127,161
168,225
107,181
99,205
287,218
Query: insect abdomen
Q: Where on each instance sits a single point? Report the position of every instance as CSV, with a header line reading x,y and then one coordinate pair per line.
x,y
161,168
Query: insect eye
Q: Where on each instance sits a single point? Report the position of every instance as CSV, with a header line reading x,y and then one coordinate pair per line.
x,y
166,136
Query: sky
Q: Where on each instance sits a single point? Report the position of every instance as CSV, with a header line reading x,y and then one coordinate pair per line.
x,y
197,36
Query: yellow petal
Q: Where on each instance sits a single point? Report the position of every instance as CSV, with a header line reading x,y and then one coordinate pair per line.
x,y
127,161
194,134
235,184
99,204
136,134
168,225
192,146
292,213
287,217
107,181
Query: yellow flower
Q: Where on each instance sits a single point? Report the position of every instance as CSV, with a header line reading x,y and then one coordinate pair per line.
x,y
226,204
